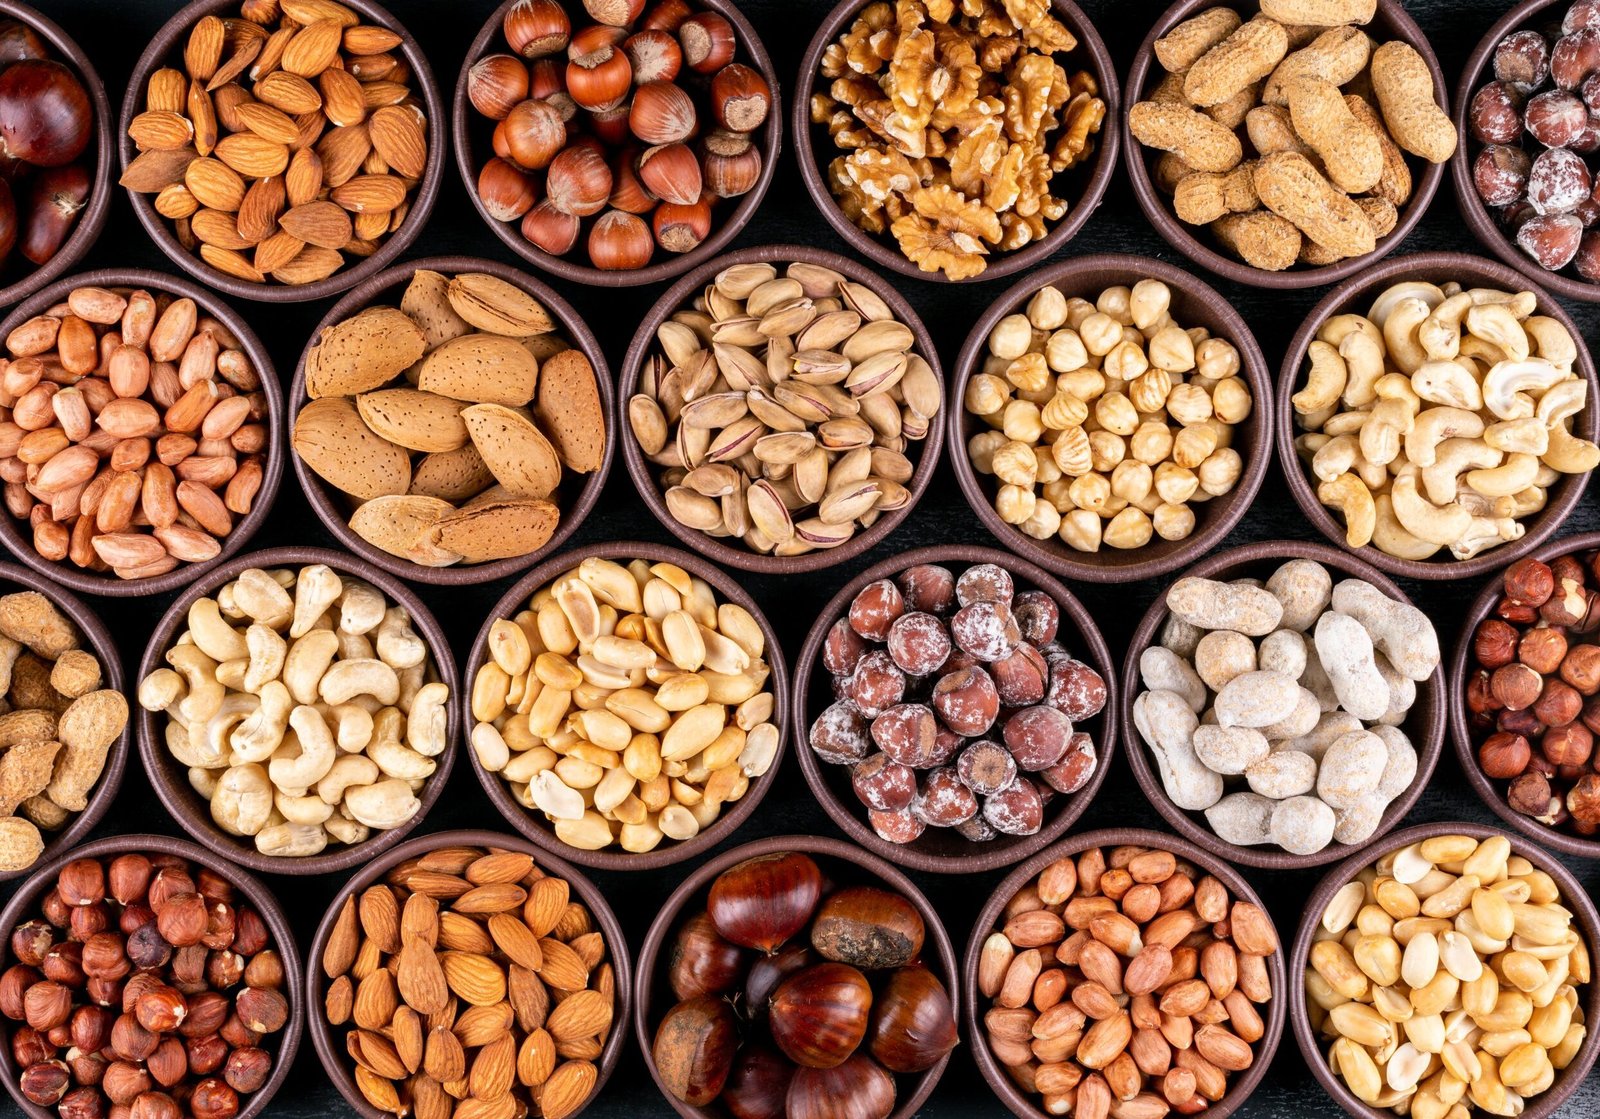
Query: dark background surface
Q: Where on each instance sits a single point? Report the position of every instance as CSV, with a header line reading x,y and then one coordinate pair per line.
x,y
113,34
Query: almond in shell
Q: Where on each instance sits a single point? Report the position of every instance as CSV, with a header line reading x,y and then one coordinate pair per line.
x,y
516,451
497,529
403,525
481,369
363,353
419,421
497,306
569,409
427,300
330,437
451,475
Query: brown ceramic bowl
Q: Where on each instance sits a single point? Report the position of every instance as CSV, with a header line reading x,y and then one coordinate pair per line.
x,y
1492,792
20,542
1023,1106
735,554
167,49
814,150
1480,219
1391,22
42,879
170,779
1573,895
471,134
530,822
580,492
1424,724
330,1051
1357,294
1194,303
842,865
941,850
98,640
92,220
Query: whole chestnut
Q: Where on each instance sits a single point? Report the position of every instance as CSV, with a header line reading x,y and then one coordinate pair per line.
x,y
819,1016
762,902
857,1089
913,1025
45,115
694,1049
869,928
759,1084
702,962
768,971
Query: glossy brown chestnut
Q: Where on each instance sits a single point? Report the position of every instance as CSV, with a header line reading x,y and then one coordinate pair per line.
x,y
45,114
868,928
857,1089
762,902
818,1016
768,971
702,962
758,1087
912,1024
694,1049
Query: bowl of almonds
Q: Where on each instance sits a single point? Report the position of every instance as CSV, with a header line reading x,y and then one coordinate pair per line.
x,y
162,456
784,407
282,151
469,960
452,420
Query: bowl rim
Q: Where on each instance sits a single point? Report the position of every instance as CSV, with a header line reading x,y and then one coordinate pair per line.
x,y
829,848
98,208
1461,734
1568,1081
992,855
680,295
1483,225
670,265
321,495
1098,61
253,889
169,782
1211,530
612,858
1428,727
1241,1087
1390,13
97,637
313,979
1539,527
162,47
212,304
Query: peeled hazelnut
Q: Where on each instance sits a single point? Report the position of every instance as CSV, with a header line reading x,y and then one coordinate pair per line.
x,y
1516,686
1503,756
1558,704
1494,643
1542,649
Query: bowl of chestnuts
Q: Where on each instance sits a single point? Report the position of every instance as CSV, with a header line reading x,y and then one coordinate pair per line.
x,y
796,976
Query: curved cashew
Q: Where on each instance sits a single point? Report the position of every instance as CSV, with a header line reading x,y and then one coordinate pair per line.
x,y
1429,294
1447,383
317,752
1400,334
361,607
1485,533
199,674
1562,399
302,810
1391,536
267,651
1568,454
1435,425
230,674
1551,340
212,633
1440,332
398,644
236,709
1521,303
347,772
262,598
242,802
1347,422
1350,496
1480,351
426,721
1527,436
354,646
1363,359
1396,388
317,588
1324,383
257,737
1455,457
384,805
204,781
307,662
1391,420
1516,473
1334,457
292,841
345,680
412,681
1504,385
1495,323
1437,524
1523,503
352,726
1339,327
161,690
1475,503
346,830
399,760
1306,446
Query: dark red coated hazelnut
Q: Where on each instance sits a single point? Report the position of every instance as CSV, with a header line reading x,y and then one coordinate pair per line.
x,y
986,767
1523,59
60,1036
1558,181
1574,57
1587,259
213,1099
928,587
1569,746
1503,756
966,701
882,783
1590,92
907,732
1076,689
1556,117
169,881
128,877
91,1028
207,1011
976,830
1515,613
30,941
1496,114
878,683
1528,582
1494,643
842,648
900,826
82,882
1559,703
130,1041
45,1083
1516,686
1015,810
1542,649
87,920
918,643
46,1005
169,1064
875,608
839,735
1037,737
1076,766
1581,668
985,582
1038,615
944,800
946,745
247,1069
987,630
1523,722
147,949
1022,677
1569,605
1480,700
957,660
64,963
1580,13
1500,174
1551,239
82,1103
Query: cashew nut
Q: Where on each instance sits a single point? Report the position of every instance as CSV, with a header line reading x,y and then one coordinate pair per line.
x,y
316,755
199,674
1568,454
391,756
398,644
257,737
261,598
1339,327
346,830
316,588
384,805
302,810
219,729
1440,332
1400,335
1389,422
161,690
1551,340
1448,383
243,800
307,662
1515,474
1391,536
1528,436
212,633
344,680
427,719
1363,358
1433,426
1353,499
1455,457
1484,533
347,771
286,840
352,726
1496,324
204,781
361,607
1437,524
1326,381
1506,385
1431,295
267,650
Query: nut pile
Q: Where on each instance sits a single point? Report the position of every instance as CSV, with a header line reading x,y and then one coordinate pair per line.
x,y
305,707
954,121
642,117
1299,686
955,704
449,420
289,142
626,704
1531,691
1330,119
1533,120
1126,981
134,433
782,408
59,724
46,124
1107,418
1445,978
470,983
145,987
799,998
1441,417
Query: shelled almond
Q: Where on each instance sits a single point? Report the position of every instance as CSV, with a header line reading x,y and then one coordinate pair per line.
x,y
285,141
451,420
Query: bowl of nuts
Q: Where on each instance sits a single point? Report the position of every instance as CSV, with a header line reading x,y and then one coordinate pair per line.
x,y
1277,716
659,120
679,731
950,704
1524,179
1522,680
66,721
297,711
1452,970
141,970
486,457
1345,110
1161,943
282,152
1119,498
906,143
58,124
513,947
1480,392
162,458
756,437
797,976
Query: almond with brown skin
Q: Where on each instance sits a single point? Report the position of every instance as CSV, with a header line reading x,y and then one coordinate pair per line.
x,y
314,48
263,203
231,262
203,51
303,179
398,136
253,156
269,123
160,131
309,265
343,151
318,223
370,194
343,103
288,92
567,1089
151,172
474,979
583,1014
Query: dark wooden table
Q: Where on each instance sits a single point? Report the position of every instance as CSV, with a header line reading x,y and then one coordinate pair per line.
x,y
115,33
